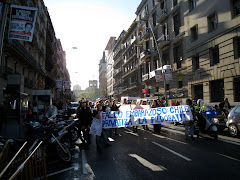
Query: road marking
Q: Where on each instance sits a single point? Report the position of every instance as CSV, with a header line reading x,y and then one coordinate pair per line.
x,y
131,133
187,159
228,157
147,164
163,137
227,141
61,171
86,167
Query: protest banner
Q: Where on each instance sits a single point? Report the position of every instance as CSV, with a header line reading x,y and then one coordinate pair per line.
x,y
130,117
96,127
22,22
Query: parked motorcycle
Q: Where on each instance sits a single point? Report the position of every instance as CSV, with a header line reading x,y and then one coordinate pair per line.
x,y
51,138
208,122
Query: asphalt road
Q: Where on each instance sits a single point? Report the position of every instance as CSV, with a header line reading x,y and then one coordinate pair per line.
x,y
145,155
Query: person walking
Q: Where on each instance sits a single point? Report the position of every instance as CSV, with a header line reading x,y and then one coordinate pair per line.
x,y
85,118
156,127
97,114
114,107
189,125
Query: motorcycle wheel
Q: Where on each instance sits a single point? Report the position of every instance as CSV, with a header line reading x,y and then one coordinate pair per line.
x,y
65,156
66,141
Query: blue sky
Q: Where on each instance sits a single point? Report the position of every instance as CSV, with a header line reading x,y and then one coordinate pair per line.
x,y
88,25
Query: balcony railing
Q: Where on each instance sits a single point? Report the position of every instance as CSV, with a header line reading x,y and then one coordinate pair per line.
x,y
145,54
163,40
146,33
145,77
21,49
117,61
116,71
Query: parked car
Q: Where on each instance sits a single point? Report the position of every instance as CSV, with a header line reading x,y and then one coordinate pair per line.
x,y
233,122
73,107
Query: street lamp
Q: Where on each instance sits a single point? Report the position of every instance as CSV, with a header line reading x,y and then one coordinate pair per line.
x,y
160,58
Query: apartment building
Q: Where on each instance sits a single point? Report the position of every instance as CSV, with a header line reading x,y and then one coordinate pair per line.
x,y
198,40
117,66
109,60
130,62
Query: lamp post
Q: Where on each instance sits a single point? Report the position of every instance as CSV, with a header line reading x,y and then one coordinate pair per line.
x,y
160,58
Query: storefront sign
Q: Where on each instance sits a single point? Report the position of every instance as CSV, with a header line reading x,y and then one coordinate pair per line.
x,y
14,79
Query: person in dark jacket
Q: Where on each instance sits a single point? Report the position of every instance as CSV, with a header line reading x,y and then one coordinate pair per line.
x,y
85,118
114,107
156,127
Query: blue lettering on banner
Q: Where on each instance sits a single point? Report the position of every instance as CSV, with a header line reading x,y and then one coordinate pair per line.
x,y
145,116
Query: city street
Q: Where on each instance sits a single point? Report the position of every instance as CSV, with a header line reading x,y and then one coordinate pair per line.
x,y
145,155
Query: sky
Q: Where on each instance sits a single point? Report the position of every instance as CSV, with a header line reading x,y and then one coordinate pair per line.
x,y
88,25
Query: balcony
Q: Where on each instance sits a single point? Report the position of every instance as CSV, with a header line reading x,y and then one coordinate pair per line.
x,y
163,41
163,15
177,36
146,33
117,61
129,72
116,71
145,15
127,60
145,77
37,26
132,85
176,7
18,47
117,83
42,17
145,54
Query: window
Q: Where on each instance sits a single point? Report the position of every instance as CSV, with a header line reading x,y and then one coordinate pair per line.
x,y
212,22
237,110
236,7
176,23
165,58
154,19
217,91
175,2
153,3
194,34
192,4
195,62
162,4
177,53
236,46
236,86
180,85
214,56
167,87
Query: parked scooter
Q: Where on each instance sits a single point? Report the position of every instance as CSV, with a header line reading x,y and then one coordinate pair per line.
x,y
208,122
51,138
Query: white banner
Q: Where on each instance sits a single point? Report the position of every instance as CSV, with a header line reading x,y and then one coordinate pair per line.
x,y
22,22
96,127
138,117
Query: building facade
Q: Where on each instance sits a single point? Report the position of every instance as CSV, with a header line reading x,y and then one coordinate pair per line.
x,y
198,40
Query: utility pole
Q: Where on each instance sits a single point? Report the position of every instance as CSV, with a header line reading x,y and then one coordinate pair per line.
x,y
3,15
160,58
